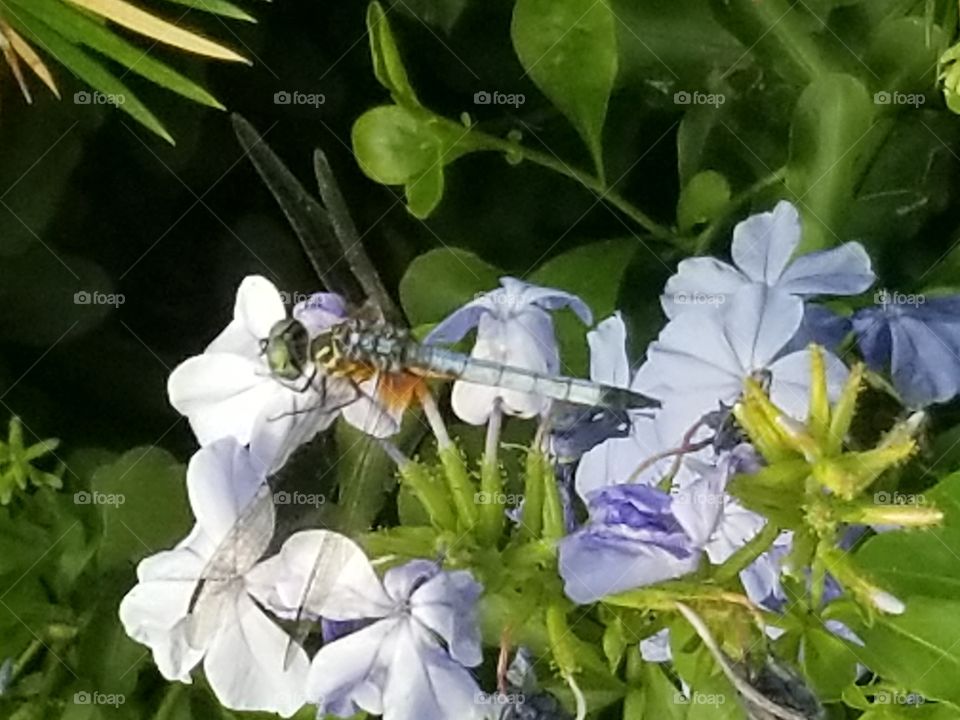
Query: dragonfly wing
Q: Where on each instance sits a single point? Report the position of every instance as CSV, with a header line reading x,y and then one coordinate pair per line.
x,y
310,221
350,241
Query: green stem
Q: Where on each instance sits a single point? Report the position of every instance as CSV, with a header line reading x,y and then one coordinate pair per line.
x,y
591,182
554,527
491,481
171,696
532,520
709,234
431,496
746,554
461,488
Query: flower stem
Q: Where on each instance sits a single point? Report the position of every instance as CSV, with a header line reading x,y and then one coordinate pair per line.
x,y
491,480
461,487
591,182
554,526
533,490
433,499
745,555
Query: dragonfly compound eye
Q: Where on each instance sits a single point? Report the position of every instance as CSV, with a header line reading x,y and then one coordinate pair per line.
x,y
286,349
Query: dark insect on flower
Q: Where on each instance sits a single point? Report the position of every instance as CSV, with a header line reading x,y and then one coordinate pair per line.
x,y
574,430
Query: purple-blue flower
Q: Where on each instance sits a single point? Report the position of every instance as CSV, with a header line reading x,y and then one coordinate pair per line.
x,y
919,342
632,539
514,327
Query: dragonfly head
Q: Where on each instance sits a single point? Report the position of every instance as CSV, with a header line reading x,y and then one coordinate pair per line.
x,y
287,349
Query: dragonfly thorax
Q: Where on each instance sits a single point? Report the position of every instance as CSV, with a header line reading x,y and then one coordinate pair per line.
x,y
357,343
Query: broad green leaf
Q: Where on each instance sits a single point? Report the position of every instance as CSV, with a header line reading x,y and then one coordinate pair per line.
x,y
440,281
892,557
91,72
387,63
827,662
831,136
904,61
79,29
657,697
425,191
142,499
594,273
393,145
569,49
702,199
918,650
927,711
712,697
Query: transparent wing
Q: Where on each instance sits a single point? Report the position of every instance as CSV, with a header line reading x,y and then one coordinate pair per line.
x,y
309,220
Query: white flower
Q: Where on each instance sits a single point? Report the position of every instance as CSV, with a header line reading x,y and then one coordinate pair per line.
x,y
762,248
396,665
244,653
230,391
702,359
514,327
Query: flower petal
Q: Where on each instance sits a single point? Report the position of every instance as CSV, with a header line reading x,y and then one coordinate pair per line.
x,y
222,483
608,352
320,312
221,394
259,305
790,381
843,270
700,283
763,243
759,322
523,293
446,604
247,663
344,584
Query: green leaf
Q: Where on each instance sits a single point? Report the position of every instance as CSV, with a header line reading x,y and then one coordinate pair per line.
x,y
79,28
440,281
831,137
91,72
703,199
594,273
393,145
569,49
657,697
387,63
918,650
891,557
713,696
827,662
142,499
218,7
425,191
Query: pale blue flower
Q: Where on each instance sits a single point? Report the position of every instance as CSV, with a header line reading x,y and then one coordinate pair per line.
x,y
702,359
514,327
762,248
409,662
919,343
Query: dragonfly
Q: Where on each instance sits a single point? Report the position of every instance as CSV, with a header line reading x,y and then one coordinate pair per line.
x,y
370,344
